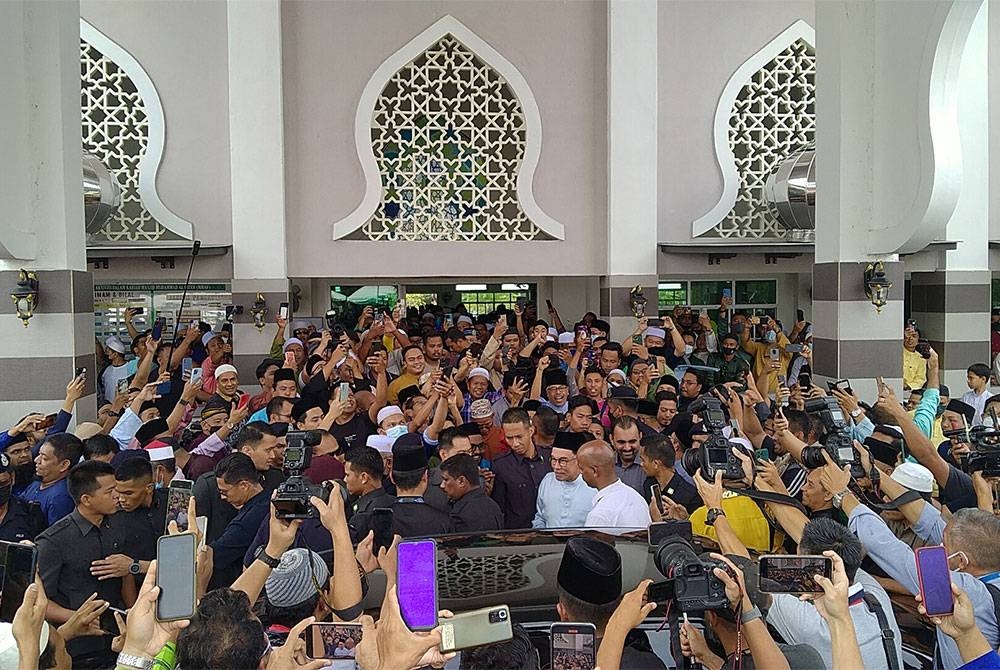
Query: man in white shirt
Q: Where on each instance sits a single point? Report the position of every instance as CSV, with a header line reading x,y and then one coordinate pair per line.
x,y
116,370
978,379
564,499
616,505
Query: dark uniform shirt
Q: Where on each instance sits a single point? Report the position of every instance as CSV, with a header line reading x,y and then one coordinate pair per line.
x,y
219,512
228,549
515,485
413,517
21,522
677,490
65,552
361,512
143,526
476,511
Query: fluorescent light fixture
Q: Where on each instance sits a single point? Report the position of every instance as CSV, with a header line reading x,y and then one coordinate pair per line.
x,y
470,287
671,286
513,287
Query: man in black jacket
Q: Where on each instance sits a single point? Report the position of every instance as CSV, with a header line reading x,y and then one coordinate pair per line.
x,y
363,478
412,516
471,510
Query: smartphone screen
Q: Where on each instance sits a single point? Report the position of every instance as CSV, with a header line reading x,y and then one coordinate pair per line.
x,y
158,329
187,365
122,385
178,496
416,583
283,310
81,371
793,574
382,527
333,641
934,578
175,577
17,572
654,494
572,646
289,359
47,422
345,391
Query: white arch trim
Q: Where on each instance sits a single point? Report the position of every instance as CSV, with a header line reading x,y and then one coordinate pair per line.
x,y
800,30
150,163
366,109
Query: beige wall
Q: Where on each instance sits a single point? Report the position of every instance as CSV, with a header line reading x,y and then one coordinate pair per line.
x,y
182,47
331,50
701,44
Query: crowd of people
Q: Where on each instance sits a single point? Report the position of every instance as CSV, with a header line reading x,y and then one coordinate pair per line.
x,y
432,422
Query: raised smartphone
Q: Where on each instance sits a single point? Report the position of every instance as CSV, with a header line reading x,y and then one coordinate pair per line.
x,y
655,495
18,563
196,375
345,391
158,329
416,583
840,385
934,579
47,422
572,646
175,577
178,496
382,528
475,629
784,573
333,641
187,365
283,310
80,372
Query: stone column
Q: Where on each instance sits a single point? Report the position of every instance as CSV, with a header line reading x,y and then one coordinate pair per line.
x,y
41,224
256,138
632,160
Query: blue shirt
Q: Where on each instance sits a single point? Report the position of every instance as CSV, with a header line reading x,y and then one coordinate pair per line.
x,y
259,415
54,499
988,661
562,504
228,550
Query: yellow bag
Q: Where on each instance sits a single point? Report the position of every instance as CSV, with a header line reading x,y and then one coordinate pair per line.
x,y
745,518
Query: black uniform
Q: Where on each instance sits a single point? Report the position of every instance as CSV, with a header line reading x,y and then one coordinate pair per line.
x,y
23,521
361,511
219,512
476,511
143,526
412,516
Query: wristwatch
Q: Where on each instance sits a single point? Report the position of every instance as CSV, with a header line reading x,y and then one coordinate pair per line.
x,y
838,499
713,514
856,412
183,402
137,662
750,615
262,556
135,568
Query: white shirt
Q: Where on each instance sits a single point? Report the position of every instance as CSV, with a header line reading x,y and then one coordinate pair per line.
x,y
110,379
562,504
978,401
619,506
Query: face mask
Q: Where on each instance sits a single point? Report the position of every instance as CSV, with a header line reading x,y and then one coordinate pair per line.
x,y
159,485
5,494
728,351
688,349
396,432
771,336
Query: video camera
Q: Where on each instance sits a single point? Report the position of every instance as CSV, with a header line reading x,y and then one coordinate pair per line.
x,y
985,454
291,500
690,582
837,442
715,454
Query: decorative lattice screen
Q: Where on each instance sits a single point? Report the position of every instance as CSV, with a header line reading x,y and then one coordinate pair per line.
x,y
115,130
773,117
448,135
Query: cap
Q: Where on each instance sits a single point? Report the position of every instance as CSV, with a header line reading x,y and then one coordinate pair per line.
x,y
215,405
407,393
408,453
565,338
617,371
159,451
479,372
570,441
114,344
208,337
894,432
386,412
913,476
481,409
554,378
591,571
299,324
223,369
290,341
293,581
303,405
464,318
959,407
652,331
382,443
531,405
87,430
151,429
284,375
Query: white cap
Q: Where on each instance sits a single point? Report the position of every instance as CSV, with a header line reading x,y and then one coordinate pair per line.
x,y
616,371
159,453
465,317
381,442
386,412
653,331
114,344
208,337
290,341
554,332
565,338
479,372
223,369
913,476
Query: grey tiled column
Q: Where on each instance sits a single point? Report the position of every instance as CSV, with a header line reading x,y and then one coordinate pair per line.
x,y
37,362
952,310
615,302
851,340
251,346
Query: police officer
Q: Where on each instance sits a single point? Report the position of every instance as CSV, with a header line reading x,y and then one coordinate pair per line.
x,y
413,516
472,510
363,479
18,520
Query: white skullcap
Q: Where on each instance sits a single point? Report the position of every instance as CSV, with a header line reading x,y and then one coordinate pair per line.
x,y
479,372
913,476
653,331
223,369
616,371
554,332
565,338
290,341
465,317
383,443
386,412
114,344
299,324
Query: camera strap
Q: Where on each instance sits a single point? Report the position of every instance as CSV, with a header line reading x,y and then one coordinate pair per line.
x,y
770,497
907,497
888,634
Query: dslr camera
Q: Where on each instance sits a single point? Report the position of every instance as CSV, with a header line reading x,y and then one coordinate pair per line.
x,y
291,500
715,454
690,582
985,454
837,441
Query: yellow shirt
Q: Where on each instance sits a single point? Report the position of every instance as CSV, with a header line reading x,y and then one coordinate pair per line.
x,y
914,370
400,383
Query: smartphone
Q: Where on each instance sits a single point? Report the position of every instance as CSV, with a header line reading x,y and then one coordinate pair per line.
x,y
122,385
187,365
934,579
289,359
163,389
177,593
416,584
774,353
47,422
202,522
655,495
761,455
283,311
476,629
800,315
661,530
196,375
805,381
548,304
243,401
793,348
382,528
840,385
108,622
178,496
572,646
345,391
80,372
158,329
18,563
446,372
449,320
785,573
911,323
138,310
333,641
503,319
521,302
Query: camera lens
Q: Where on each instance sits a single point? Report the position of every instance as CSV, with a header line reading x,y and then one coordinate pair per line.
x,y
502,614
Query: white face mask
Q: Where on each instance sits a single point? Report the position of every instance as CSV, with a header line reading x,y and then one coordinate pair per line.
x,y
396,431
688,349
771,336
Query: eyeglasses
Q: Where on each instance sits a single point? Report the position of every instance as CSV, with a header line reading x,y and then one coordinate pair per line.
x,y
561,462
